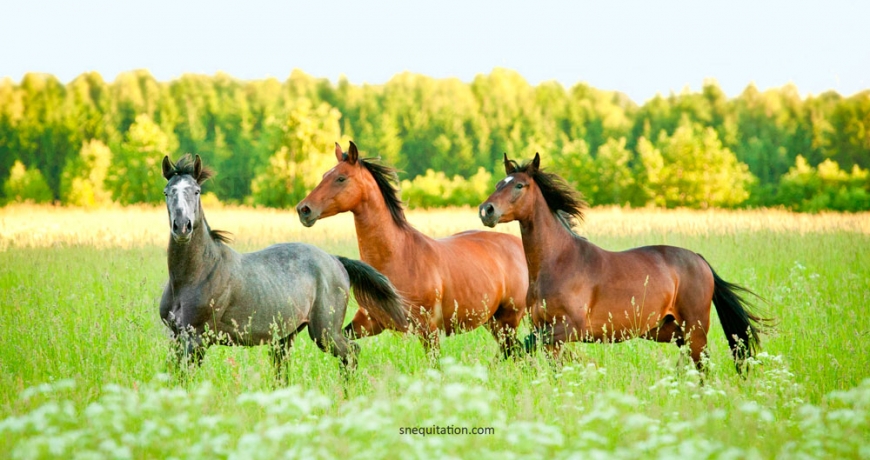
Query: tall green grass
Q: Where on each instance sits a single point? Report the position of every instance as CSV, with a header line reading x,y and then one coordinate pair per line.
x,y
83,364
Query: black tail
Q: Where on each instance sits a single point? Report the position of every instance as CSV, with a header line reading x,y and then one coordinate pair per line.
x,y
376,293
742,326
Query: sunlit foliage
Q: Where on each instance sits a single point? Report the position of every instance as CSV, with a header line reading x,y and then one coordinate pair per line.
x,y
695,149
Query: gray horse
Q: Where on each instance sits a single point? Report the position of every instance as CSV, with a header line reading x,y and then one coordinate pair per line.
x,y
263,297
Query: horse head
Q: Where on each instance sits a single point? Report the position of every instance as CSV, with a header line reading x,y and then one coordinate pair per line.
x,y
514,195
341,189
182,190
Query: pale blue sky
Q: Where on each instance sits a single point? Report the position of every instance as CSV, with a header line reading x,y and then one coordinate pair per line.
x,y
637,47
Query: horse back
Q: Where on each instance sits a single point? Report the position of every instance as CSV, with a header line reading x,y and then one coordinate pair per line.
x,y
475,263
683,278
285,280
681,261
290,265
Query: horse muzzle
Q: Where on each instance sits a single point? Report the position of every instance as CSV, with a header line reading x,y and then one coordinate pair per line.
x,y
489,215
181,230
307,215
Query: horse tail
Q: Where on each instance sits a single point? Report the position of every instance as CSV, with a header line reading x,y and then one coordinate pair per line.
x,y
376,293
741,325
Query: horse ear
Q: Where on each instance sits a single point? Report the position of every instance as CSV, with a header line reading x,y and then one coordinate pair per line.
x,y
352,153
168,169
509,167
339,155
536,163
197,167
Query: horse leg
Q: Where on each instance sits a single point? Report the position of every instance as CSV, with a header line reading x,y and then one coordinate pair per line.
x,y
503,326
191,349
362,325
279,350
431,341
553,337
325,330
187,353
680,342
554,351
697,340
669,331
555,357
177,355
332,340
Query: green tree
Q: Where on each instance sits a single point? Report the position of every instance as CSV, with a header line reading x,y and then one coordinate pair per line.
x,y
576,165
136,175
11,111
301,158
813,189
850,140
138,93
25,185
436,123
45,130
773,127
88,104
434,189
649,174
614,174
84,176
694,170
510,112
419,123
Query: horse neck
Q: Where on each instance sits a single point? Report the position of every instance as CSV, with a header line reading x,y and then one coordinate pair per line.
x,y
379,237
191,262
545,237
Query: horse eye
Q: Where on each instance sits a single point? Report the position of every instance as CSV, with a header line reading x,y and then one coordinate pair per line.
x,y
196,192
518,186
341,179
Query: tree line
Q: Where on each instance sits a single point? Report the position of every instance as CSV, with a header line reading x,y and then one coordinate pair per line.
x,y
92,142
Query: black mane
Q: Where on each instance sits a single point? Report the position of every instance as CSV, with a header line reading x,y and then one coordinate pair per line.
x,y
388,182
565,202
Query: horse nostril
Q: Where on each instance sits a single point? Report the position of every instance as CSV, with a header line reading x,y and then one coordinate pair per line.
x,y
188,227
174,225
489,208
305,210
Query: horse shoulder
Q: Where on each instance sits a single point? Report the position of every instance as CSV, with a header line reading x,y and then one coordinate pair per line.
x,y
570,279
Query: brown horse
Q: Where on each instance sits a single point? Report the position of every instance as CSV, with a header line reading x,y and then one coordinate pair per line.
x,y
452,284
580,292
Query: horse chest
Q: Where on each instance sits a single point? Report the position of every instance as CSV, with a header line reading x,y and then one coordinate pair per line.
x,y
546,296
193,307
543,286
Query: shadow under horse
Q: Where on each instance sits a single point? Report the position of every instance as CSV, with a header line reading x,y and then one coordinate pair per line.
x,y
580,292
263,297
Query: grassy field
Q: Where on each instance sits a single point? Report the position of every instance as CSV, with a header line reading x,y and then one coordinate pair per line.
x,y
83,355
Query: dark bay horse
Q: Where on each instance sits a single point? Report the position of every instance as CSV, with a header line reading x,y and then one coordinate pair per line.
x,y
263,297
454,284
580,292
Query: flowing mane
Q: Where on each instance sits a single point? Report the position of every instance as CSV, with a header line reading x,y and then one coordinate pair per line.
x,y
185,166
388,183
221,236
565,202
